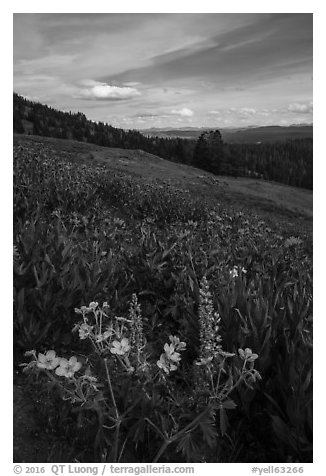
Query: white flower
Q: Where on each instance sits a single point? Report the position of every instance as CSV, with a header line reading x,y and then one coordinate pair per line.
x,y
48,361
82,310
292,241
108,333
177,344
204,361
67,368
234,273
165,364
120,348
84,331
171,354
247,355
104,336
170,359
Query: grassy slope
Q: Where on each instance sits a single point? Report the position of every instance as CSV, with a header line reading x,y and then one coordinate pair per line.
x,y
270,197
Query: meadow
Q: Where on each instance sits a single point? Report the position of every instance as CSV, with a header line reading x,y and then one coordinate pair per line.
x,y
165,319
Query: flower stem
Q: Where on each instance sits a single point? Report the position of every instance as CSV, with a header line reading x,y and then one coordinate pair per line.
x,y
161,450
118,419
191,426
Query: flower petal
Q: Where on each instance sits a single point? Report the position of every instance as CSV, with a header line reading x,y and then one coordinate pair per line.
x,y
41,358
55,362
41,365
64,363
61,371
175,357
50,354
77,366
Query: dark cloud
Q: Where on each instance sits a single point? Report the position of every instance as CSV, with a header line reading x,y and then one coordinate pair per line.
x,y
273,45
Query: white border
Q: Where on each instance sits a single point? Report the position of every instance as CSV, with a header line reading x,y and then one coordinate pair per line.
x,y
167,6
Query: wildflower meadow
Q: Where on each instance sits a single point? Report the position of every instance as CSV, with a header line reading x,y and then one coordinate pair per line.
x,y
155,325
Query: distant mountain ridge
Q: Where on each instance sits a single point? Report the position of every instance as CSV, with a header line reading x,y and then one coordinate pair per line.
x,y
250,134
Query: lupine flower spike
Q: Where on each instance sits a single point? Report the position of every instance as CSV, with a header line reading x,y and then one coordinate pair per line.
x,y
209,334
137,339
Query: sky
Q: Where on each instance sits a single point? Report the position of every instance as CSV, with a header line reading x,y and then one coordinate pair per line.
x,y
139,71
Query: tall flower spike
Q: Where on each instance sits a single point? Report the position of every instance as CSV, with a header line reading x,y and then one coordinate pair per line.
x,y
210,339
137,336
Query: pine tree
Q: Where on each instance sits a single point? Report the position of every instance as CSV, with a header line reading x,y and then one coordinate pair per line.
x,y
209,152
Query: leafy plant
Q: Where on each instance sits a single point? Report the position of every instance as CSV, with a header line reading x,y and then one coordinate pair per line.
x,y
121,360
83,234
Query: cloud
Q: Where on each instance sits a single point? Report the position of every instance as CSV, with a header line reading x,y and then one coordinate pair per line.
x,y
184,112
132,84
242,111
148,114
247,111
102,91
270,47
202,63
303,108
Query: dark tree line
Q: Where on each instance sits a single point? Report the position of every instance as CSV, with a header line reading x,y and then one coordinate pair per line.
x,y
289,162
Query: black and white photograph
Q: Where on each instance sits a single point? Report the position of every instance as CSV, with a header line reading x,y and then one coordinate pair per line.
x,y
162,240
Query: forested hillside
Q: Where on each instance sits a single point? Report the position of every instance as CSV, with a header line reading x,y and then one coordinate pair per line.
x,y
38,119
289,162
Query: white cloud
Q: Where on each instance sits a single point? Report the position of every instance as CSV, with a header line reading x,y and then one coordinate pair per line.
x,y
184,112
242,111
103,91
248,111
214,113
303,108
